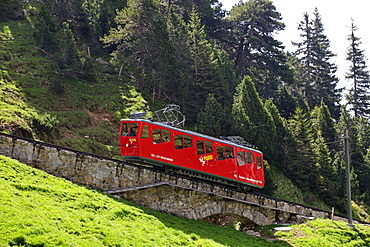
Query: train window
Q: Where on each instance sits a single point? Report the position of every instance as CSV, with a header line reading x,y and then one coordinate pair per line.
x,y
178,142
240,157
188,141
200,147
259,162
157,136
229,153
129,129
166,135
183,141
161,136
209,148
220,153
249,157
145,133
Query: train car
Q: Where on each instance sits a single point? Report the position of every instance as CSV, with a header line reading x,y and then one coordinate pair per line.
x,y
143,140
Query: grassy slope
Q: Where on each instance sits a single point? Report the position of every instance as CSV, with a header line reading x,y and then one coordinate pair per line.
x,y
37,209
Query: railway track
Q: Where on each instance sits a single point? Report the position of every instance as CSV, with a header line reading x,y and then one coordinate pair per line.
x,y
175,173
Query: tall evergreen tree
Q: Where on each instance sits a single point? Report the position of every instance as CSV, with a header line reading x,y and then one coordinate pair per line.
x,y
205,75
251,44
212,120
252,120
324,123
303,168
203,61
358,96
316,73
143,48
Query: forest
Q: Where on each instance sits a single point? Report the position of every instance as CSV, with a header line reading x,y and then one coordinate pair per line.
x,y
225,69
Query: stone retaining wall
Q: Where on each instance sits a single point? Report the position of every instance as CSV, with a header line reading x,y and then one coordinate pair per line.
x,y
153,189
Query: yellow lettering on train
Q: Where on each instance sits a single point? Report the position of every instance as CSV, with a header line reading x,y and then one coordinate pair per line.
x,y
133,139
208,157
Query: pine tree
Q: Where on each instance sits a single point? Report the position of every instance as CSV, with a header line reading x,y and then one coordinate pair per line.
x,y
283,143
203,62
316,73
253,48
68,56
324,123
212,120
143,48
358,96
45,30
252,119
303,168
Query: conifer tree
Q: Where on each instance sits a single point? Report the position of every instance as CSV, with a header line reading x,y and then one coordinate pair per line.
x,y
324,123
316,72
303,168
143,48
212,120
68,56
358,97
283,143
203,62
251,44
252,119
45,30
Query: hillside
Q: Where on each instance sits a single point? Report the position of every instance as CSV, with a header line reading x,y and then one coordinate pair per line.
x,y
38,209
70,70
41,210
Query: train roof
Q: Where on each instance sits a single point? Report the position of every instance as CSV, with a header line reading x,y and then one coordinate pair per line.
x,y
191,132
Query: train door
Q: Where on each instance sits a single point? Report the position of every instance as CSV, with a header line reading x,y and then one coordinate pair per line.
x,y
184,151
128,139
145,141
207,160
226,161
162,145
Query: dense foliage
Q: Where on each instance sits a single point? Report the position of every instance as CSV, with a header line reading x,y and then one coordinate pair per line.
x,y
226,70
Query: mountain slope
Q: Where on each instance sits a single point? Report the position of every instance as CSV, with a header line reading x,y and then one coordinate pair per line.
x,y
38,209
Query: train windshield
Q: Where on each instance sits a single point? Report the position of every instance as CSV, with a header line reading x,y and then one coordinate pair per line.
x,y
129,129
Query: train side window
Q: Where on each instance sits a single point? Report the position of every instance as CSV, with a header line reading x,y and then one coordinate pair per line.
x,y
209,148
157,136
220,153
183,141
166,137
129,129
259,162
178,142
188,141
145,133
200,147
249,157
161,136
229,152
240,158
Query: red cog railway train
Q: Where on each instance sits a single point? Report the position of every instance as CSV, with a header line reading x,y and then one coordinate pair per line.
x,y
151,142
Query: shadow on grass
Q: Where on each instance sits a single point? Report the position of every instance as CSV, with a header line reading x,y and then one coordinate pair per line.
x,y
201,229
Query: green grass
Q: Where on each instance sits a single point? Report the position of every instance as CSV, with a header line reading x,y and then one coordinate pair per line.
x,y
285,189
322,232
38,209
